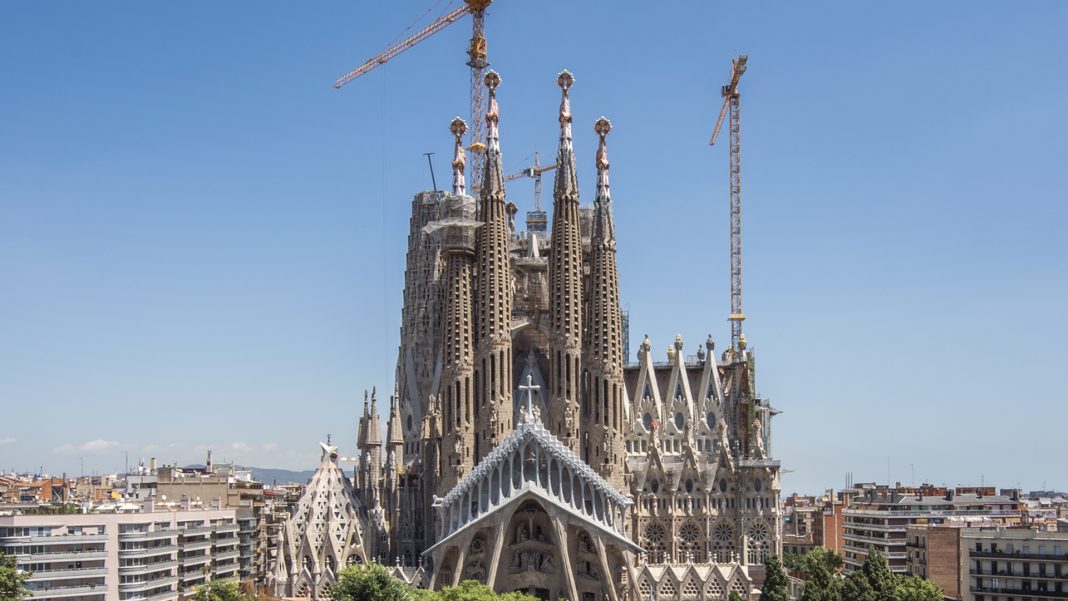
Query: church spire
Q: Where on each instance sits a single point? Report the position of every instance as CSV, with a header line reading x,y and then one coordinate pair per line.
x,y
566,179
604,340
493,302
493,178
459,159
565,288
604,231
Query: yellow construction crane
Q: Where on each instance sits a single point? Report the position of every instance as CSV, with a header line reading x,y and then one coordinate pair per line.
x,y
730,105
477,61
536,219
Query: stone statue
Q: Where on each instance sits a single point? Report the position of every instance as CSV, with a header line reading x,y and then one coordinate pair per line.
x,y
724,442
758,439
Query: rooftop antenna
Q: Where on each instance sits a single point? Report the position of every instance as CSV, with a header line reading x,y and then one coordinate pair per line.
x,y
431,163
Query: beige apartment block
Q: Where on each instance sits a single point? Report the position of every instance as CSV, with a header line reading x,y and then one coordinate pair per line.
x,y
1013,564
146,555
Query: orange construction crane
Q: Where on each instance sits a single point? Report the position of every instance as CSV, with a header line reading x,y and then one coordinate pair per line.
x,y
730,104
477,61
536,219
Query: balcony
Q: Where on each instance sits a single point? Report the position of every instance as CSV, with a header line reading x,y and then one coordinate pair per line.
x,y
196,530
1000,554
226,555
154,535
195,560
195,544
148,551
149,584
62,556
164,596
147,567
58,592
41,575
227,528
864,551
57,539
1020,592
934,513
875,540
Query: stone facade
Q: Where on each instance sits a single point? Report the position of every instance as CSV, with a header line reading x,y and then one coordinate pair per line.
x,y
522,449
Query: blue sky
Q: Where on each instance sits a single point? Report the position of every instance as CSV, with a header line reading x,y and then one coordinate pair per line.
x,y
202,243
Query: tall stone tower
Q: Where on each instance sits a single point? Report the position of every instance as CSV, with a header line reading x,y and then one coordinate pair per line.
x,y
604,338
457,233
369,441
565,288
493,309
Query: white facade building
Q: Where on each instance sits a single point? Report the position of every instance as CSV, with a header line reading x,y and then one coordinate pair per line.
x,y
146,555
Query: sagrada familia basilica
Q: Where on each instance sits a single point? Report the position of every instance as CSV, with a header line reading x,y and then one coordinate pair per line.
x,y
522,449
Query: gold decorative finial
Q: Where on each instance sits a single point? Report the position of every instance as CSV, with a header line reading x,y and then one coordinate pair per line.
x,y
458,127
678,342
602,126
492,80
565,80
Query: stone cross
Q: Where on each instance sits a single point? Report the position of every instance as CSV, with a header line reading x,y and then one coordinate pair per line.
x,y
529,388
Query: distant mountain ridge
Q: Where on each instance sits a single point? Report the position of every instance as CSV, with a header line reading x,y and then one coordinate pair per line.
x,y
270,475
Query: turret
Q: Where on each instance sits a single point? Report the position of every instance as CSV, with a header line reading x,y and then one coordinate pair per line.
x,y
493,357
604,337
456,232
565,288
371,450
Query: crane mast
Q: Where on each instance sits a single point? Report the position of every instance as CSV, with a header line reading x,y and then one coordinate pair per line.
x,y
477,61
732,106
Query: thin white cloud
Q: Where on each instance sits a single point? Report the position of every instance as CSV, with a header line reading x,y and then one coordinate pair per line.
x,y
239,446
7,441
93,446
270,446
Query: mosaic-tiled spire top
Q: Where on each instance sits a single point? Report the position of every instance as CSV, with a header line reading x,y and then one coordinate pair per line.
x,y
603,226
493,179
566,183
459,159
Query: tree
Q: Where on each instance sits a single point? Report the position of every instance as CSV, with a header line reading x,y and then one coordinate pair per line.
x,y
776,586
472,590
12,580
873,582
369,582
913,588
821,584
821,557
735,596
218,590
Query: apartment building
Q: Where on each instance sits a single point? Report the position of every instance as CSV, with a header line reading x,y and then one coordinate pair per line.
x,y
1013,564
880,517
147,555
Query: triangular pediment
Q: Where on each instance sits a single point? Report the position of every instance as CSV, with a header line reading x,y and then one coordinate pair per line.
x,y
532,463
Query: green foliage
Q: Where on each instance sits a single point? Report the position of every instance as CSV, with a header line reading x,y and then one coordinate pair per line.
x,y
913,588
792,561
821,584
735,596
370,582
873,581
776,586
820,557
12,580
472,590
219,590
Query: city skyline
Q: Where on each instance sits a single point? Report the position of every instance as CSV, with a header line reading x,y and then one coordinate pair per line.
x,y
199,236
